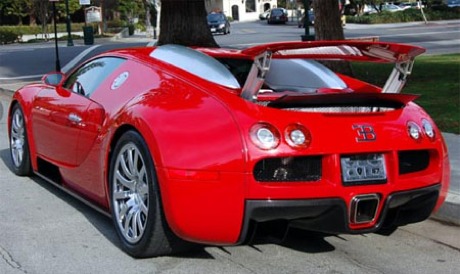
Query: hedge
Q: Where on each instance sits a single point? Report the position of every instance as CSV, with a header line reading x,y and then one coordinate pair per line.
x,y
409,15
7,36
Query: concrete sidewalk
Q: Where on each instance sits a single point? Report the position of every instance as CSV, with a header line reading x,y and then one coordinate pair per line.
x,y
449,212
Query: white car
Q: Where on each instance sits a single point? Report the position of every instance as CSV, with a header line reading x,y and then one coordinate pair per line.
x,y
391,8
411,5
368,9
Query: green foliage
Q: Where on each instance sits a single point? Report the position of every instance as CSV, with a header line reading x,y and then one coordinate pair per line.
x,y
8,36
115,26
409,15
74,5
131,9
21,30
16,8
34,30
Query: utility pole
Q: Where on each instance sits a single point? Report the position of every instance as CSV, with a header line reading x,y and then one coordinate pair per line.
x,y
58,63
69,30
306,23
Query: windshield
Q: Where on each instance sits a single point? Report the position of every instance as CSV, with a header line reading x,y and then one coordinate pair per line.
x,y
277,12
215,17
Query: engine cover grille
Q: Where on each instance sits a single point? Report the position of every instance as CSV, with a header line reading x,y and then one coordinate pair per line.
x,y
413,161
289,169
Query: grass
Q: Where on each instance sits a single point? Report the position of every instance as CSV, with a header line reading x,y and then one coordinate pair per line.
x,y
435,77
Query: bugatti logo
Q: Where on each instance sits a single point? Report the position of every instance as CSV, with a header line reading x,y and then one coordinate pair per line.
x,y
365,133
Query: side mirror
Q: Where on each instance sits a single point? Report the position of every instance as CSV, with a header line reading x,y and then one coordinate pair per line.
x,y
54,78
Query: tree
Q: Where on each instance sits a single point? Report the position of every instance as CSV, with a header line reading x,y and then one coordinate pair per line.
x,y
184,22
328,26
131,9
14,8
41,8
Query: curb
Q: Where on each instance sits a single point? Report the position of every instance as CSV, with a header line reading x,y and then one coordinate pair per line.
x,y
450,210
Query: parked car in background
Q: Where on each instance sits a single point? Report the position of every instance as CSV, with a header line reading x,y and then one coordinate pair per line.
x,y
264,15
411,5
311,17
453,3
370,9
278,15
218,23
391,8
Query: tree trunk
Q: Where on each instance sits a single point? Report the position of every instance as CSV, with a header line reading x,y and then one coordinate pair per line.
x,y
184,22
328,26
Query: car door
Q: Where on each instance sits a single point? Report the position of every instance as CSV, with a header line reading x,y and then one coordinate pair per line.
x,y
62,115
56,121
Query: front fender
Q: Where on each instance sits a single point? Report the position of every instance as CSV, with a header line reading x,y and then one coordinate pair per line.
x,y
25,97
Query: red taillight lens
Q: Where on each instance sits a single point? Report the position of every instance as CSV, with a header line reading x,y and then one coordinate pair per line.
x,y
264,136
297,136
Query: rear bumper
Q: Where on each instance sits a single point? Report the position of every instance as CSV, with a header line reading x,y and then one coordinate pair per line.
x,y
332,215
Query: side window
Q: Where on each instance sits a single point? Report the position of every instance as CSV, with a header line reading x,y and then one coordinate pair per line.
x,y
88,77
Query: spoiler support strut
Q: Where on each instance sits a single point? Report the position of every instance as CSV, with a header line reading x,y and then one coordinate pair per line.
x,y
256,76
398,77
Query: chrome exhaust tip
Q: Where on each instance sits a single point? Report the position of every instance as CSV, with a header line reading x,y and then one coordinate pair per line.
x,y
364,208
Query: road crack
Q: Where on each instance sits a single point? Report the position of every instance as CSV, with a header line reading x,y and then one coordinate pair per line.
x,y
6,256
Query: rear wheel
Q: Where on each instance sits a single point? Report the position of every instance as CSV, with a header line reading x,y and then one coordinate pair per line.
x,y
135,201
19,146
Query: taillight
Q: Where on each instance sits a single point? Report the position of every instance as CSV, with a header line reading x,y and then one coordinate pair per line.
x,y
428,129
297,136
265,136
414,131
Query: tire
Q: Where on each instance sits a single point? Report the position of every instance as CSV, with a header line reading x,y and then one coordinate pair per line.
x,y
19,144
135,201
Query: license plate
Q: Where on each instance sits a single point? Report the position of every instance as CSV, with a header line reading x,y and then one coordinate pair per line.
x,y
363,169
213,30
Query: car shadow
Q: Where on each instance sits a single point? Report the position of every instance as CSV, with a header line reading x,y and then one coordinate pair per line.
x,y
296,239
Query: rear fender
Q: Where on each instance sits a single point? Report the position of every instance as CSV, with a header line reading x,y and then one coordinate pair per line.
x,y
199,158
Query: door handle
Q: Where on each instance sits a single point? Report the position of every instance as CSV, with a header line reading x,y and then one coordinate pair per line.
x,y
74,118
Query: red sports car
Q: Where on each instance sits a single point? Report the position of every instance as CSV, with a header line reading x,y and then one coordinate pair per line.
x,y
181,145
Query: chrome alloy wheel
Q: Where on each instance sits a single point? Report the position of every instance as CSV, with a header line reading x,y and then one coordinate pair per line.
x,y
130,193
17,138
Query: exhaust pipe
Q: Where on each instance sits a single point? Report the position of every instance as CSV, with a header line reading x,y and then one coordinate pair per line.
x,y
364,208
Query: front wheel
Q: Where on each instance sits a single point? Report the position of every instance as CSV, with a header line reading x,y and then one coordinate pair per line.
x,y
19,145
135,201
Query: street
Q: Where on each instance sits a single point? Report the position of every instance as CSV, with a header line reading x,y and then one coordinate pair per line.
x,y
45,230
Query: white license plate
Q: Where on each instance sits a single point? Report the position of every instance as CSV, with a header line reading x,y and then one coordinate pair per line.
x,y
363,169
213,30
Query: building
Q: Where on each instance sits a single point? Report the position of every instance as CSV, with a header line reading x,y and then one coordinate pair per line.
x,y
240,10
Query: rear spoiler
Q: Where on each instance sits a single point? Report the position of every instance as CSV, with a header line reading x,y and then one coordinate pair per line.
x,y
401,55
343,50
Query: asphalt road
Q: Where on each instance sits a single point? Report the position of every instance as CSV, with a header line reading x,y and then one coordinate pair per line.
x,y
44,230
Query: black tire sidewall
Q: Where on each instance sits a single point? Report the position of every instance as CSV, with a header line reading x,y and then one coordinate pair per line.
x,y
24,168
